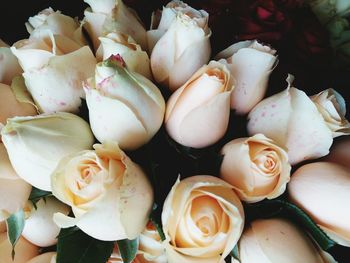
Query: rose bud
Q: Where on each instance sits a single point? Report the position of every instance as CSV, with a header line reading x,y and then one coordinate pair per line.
x,y
162,19
261,171
9,66
49,20
135,58
340,153
293,121
251,64
16,100
103,17
325,10
197,114
277,240
202,220
322,190
39,227
151,248
14,192
333,109
36,144
110,195
181,51
48,257
59,61
24,250
124,106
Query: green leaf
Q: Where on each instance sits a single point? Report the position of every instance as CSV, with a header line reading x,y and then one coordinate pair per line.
x,y
74,246
128,249
155,219
15,224
235,253
282,208
36,194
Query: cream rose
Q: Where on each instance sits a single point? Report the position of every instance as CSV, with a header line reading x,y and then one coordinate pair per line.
x,y
24,250
49,20
62,63
124,106
135,58
261,171
107,16
110,196
36,144
14,192
340,152
48,257
322,190
197,114
251,64
15,100
294,122
9,66
202,220
39,227
181,51
277,240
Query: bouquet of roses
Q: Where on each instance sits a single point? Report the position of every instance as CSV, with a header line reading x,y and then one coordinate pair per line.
x,y
120,144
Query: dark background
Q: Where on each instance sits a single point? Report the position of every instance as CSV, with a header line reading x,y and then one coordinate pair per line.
x,y
311,76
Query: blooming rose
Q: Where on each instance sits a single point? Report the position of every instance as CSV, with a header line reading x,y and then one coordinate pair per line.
x,y
39,227
48,20
62,63
124,106
135,58
15,100
197,114
295,122
110,196
340,153
251,64
14,192
48,257
9,67
202,220
24,250
108,16
277,240
322,190
182,49
36,144
261,171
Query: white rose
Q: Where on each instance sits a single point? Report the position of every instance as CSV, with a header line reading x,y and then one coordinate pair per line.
x,y
9,66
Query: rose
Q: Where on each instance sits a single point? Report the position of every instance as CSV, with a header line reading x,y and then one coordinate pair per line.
x,y
15,100
14,192
39,228
107,16
59,61
48,257
36,144
340,153
48,20
277,240
251,64
110,195
135,58
333,109
181,51
24,250
202,220
294,121
322,190
151,248
124,106
9,67
325,10
197,114
264,20
261,171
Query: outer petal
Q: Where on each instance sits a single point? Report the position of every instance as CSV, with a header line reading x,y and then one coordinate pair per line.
x,y
316,187
48,257
93,23
65,74
9,66
340,153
